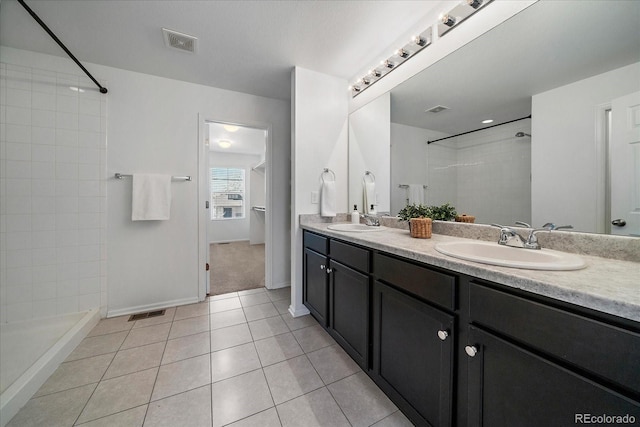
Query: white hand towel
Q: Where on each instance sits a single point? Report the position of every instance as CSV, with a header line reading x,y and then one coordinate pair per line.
x,y
369,193
328,199
151,197
416,194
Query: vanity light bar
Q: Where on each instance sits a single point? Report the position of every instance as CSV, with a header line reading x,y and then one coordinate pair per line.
x,y
455,16
447,21
401,55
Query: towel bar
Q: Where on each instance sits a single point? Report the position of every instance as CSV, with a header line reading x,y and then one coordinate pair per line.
x,y
124,175
407,186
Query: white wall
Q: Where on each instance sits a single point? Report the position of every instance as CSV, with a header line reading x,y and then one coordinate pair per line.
x,y
564,138
230,230
409,161
369,150
52,192
319,140
153,126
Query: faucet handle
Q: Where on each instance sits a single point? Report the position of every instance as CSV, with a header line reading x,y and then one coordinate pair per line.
x,y
508,236
532,240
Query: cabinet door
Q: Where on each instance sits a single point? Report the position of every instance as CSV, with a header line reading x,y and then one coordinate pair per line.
x,y
511,386
316,289
413,355
349,308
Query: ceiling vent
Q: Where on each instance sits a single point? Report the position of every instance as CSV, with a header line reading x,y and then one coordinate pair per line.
x,y
436,109
176,40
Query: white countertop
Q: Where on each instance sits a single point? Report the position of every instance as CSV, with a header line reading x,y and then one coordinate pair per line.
x,y
605,285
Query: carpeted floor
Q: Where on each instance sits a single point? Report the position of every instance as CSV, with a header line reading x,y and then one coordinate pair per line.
x,y
236,266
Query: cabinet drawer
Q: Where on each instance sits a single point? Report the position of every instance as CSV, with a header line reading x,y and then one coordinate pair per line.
x,y
350,255
605,350
315,242
423,282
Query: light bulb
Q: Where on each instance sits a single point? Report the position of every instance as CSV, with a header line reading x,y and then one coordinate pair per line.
x,y
420,41
448,20
474,3
402,53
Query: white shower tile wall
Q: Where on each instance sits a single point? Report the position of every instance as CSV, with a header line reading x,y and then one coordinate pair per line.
x,y
52,194
486,174
494,177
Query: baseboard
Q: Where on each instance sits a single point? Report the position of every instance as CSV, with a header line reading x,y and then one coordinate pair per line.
x,y
151,307
280,285
299,311
228,241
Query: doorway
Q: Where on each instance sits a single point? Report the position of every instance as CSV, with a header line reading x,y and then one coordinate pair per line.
x,y
234,176
624,165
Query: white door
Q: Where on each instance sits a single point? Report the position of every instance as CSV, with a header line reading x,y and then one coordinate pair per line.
x,y
624,154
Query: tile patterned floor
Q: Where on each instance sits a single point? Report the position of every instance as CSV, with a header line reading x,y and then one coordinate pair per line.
x,y
237,359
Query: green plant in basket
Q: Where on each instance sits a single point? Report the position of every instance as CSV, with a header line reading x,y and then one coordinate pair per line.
x,y
414,211
442,213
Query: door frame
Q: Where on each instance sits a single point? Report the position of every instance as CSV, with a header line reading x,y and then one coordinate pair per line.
x,y
203,197
602,168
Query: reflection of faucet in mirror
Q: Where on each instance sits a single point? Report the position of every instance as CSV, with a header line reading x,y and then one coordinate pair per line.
x,y
521,134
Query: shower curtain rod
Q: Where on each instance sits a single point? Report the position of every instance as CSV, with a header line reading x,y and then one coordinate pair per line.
x,y
486,127
57,40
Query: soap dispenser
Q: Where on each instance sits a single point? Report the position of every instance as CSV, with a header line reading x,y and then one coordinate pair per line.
x,y
355,216
372,211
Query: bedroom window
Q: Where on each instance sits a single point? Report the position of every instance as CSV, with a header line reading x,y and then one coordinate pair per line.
x,y
227,187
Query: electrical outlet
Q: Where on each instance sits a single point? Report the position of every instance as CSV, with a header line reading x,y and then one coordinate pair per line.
x,y
315,197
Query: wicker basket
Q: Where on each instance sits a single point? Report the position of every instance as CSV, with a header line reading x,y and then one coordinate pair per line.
x,y
420,228
465,218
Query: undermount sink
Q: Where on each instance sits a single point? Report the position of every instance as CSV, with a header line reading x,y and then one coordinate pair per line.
x,y
360,228
505,256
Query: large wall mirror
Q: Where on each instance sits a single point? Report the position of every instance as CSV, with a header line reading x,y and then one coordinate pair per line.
x,y
574,67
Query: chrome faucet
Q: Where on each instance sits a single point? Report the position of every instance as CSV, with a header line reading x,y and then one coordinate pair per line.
x,y
510,237
371,220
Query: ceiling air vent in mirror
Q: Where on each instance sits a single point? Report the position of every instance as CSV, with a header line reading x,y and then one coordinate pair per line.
x,y
436,109
179,41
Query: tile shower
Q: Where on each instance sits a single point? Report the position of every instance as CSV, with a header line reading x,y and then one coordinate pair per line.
x,y
52,198
53,193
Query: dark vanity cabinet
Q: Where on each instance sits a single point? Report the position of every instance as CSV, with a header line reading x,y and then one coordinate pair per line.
x,y
413,338
316,281
349,296
532,364
450,349
337,290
